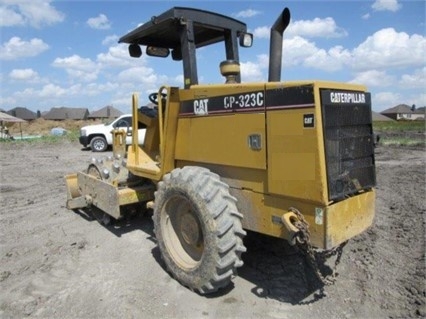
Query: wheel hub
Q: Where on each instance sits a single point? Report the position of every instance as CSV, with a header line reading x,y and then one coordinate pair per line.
x,y
190,230
184,233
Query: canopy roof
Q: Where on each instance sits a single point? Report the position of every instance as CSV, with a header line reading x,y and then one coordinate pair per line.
x,y
4,117
164,30
183,30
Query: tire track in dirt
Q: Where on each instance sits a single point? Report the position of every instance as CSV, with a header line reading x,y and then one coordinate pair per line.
x,y
391,253
55,263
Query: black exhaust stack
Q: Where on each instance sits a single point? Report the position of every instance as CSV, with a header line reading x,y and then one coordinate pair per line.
x,y
276,45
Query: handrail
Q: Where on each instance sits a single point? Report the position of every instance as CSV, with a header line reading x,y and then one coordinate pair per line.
x,y
135,119
160,120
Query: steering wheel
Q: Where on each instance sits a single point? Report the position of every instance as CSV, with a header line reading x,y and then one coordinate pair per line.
x,y
153,97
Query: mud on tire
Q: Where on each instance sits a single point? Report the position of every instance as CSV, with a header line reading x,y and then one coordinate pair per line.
x,y
198,229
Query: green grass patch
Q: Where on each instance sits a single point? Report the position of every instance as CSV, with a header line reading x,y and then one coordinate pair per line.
x,y
71,136
400,133
401,141
399,126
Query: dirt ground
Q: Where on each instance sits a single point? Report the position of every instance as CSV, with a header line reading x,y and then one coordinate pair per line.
x,y
56,263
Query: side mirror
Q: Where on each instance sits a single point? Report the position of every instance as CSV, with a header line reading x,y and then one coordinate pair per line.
x,y
246,40
177,54
157,51
135,50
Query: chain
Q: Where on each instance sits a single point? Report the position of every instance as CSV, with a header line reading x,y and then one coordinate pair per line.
x,y
303,243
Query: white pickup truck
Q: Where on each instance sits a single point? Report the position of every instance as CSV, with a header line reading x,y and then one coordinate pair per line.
x,y
99,136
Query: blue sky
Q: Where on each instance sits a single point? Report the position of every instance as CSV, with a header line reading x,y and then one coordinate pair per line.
x,y
65,53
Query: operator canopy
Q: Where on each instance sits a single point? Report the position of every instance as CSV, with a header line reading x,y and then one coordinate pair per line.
x,y
185,29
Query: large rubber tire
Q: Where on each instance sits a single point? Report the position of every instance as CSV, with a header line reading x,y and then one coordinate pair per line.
x,y
198,229
98,144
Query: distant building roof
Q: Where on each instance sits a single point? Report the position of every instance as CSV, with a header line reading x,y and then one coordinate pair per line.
x,y
377,117
22,113
67,113
106,112
420,110
401,108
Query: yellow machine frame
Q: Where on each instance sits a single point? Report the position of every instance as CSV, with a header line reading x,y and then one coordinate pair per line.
x,y
257,178
292,160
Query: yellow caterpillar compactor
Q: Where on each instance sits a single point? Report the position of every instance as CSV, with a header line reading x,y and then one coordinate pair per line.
x,y
292,160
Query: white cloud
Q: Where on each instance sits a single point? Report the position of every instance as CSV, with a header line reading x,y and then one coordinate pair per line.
x,y
9,18
251,72
366,16
98,88
78,67
415,80
247,13
141,74
374,78
419,100
101,22
47,91
75,62
54,94
51,90
35,13
297,50
124,101
316,28
387,48
332,60
16,48
383,50
324,28
111,39
6,101
384,100
263,60
23,74
118,56
83,76
262,32
386,5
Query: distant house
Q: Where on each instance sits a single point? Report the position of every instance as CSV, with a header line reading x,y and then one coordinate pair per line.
x,y
66,113
377,117
22,113
419,114
399,112
106,112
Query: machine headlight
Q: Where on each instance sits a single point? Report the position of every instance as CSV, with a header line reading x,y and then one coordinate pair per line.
x,y
82,132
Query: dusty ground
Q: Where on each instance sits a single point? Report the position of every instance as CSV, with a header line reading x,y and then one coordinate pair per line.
x,y
58,264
